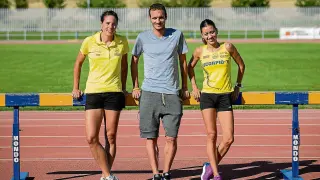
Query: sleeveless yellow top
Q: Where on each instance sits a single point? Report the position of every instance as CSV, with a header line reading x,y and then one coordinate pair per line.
x,y
216,70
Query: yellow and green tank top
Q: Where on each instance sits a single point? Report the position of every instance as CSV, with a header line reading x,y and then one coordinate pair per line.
x,y
216,70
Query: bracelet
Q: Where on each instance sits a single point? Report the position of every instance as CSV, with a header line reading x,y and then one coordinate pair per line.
x,y
239,85
136,89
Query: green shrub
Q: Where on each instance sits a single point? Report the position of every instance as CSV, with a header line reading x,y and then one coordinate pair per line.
x,y
5,4
22,4
101,4
307,3
176,3
54,3
250,3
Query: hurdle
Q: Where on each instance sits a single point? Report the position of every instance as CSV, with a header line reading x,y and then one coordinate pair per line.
x,y
17,100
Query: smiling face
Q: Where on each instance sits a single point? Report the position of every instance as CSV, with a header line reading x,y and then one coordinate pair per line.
x,y
158,19
109,25
209,34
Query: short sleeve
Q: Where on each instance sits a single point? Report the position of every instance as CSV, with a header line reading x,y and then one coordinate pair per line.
x,y
182,47
138,47
85,46
125,46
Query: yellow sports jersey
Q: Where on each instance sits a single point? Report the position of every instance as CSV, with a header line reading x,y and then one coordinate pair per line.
x,y
217,70
104,63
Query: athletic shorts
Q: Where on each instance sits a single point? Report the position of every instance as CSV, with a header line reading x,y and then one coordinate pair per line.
x,y
156,106
108,101
220,102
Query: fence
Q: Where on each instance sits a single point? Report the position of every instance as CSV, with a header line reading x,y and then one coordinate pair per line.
x,y
246,98
232,22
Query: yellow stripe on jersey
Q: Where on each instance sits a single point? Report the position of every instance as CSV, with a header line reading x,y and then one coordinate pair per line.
x,y
216,70
104,63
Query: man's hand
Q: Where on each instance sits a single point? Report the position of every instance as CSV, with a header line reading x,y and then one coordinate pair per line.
x,y
136,93
184,94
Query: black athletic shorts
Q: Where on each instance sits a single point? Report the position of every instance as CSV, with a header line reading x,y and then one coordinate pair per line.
x,y
221,102
108,101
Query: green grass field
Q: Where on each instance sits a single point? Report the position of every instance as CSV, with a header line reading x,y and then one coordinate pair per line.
x,y
269,67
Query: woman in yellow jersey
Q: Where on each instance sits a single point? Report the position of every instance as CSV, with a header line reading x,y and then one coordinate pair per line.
x,y
217,93
105,88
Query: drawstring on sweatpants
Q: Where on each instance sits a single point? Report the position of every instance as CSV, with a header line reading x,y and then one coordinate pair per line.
x,y
163,100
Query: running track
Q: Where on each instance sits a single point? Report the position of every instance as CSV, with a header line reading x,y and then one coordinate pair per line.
x,y
53,146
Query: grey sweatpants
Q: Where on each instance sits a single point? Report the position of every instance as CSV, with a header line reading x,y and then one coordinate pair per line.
x,y
156,106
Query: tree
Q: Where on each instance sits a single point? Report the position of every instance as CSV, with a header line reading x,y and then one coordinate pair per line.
x,y
54,3
5,4
101,4
22,4
147,3
176,3
196,3
250,3
307,3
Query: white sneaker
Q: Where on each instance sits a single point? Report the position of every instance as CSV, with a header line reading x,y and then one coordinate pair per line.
x,y
111,177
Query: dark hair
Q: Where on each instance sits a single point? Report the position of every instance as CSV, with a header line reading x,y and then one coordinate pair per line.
x,y
158,6
205,23
108,13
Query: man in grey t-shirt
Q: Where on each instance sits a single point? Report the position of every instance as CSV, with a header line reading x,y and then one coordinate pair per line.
x,y
160,98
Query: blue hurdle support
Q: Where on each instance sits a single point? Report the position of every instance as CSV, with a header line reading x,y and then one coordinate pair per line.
x,y
17,175
293,173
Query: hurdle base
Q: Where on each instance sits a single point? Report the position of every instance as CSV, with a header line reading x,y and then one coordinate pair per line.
x,y
287,175
23,176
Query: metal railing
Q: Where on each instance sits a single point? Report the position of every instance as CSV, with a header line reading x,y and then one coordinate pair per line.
x,y
59,22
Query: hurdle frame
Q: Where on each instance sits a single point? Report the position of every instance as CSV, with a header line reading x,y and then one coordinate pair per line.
x,y
17,100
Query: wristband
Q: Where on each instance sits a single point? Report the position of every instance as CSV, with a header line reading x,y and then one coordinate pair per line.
x,y
239,85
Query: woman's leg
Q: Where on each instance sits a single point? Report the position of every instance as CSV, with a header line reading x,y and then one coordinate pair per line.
x,y
209,116
227,125
93,124
112,121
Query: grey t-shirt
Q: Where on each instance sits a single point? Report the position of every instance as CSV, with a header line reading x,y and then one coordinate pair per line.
x,y
161,56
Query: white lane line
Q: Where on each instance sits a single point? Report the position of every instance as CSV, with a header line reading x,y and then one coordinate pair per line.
x,y
181,135
180,145
262,111
183,118
176,159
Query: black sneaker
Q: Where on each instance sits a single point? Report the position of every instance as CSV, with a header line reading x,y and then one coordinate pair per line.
x,y
166,176
157,177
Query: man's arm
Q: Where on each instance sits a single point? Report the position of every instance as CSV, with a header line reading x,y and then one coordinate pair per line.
x,y
182,51
134,71
134,75
184,71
